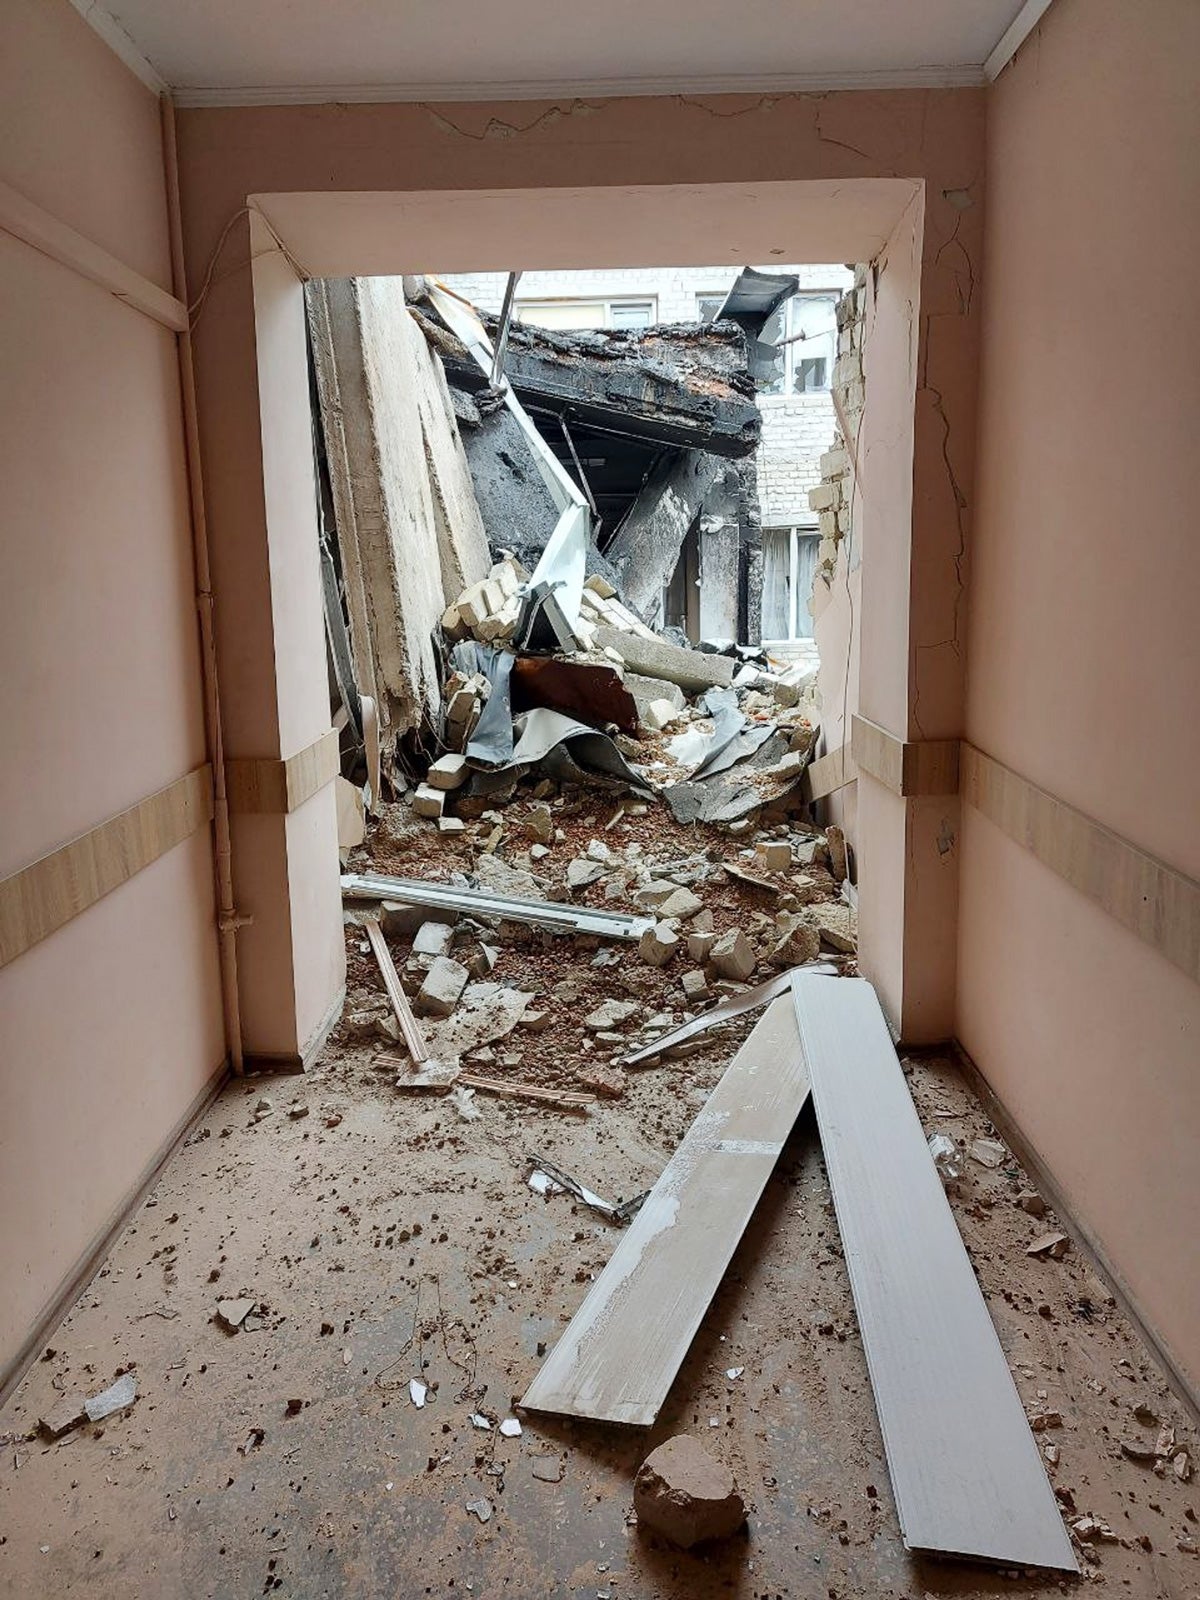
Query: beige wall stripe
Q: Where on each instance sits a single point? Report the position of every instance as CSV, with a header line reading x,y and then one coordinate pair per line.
x,y
42,897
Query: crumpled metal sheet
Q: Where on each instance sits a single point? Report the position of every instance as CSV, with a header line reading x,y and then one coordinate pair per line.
x,y
491,741
733,739
541,731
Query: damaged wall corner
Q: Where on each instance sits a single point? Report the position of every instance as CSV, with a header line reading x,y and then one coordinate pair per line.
x,y
837,585
409,529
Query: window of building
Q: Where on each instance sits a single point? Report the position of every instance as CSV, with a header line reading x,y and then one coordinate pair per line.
x,y
804,334
581,314
812,342
789,564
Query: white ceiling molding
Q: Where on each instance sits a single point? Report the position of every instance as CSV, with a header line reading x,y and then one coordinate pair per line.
x,y
1014,36
583,89
119,42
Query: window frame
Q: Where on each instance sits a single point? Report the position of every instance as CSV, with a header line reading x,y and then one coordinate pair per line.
x,y
607,302
795,532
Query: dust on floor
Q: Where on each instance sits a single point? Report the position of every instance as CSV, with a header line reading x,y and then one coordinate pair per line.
x,y
383,1238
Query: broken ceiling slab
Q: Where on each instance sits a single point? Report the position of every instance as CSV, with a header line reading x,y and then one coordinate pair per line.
x,y
621,1351
685,386
966,1470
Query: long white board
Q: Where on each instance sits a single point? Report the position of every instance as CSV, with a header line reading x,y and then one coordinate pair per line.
x,y
965,1468
621,1351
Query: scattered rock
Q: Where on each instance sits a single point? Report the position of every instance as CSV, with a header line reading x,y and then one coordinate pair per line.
x,y
733,956
1051,1246
611,1014
234,1312
1138,1450
695,984
658,944
539,824
699,944
797,943
603,1080
447,772
774,855
657,714
581,872
1029,1200
65,1414
428,801
835,936
547,1468
1182,1466
115,1398
684,1493
443,987
1044,1420
480,1508
988,1153
680,906
432,939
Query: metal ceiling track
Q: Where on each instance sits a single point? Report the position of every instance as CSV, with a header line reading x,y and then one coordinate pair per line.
x,y
481,903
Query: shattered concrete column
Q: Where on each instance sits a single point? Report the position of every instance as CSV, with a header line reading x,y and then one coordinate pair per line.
x,y
720,552
647,546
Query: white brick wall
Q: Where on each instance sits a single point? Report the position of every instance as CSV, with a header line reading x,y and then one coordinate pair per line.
x,y
796,428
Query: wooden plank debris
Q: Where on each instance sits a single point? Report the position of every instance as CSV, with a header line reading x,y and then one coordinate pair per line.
x,y
414,1039
965,1468
622,1349
557,1099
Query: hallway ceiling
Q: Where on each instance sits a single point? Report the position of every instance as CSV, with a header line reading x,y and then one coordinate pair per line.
x,y
222,52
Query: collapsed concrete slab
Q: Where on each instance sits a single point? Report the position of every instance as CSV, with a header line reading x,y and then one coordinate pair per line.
x,y
408,525
685,386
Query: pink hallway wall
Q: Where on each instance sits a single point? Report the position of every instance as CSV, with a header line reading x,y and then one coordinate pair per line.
x,y
1084,650
353,158
111,1028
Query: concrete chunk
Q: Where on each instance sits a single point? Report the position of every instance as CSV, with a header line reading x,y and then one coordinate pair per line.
x,y
427,801
448,772
680,905
432,939
443,987
657,715
686,1494
658,944
733,956
692,670
773,855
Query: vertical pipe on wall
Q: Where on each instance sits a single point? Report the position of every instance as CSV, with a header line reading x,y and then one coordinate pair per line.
x,y
228,920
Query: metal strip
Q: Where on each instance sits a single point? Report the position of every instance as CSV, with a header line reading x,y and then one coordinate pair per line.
x,y
736,1006
478,902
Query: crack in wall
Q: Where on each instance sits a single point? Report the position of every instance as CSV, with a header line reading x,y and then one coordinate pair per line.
x,y
497,128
